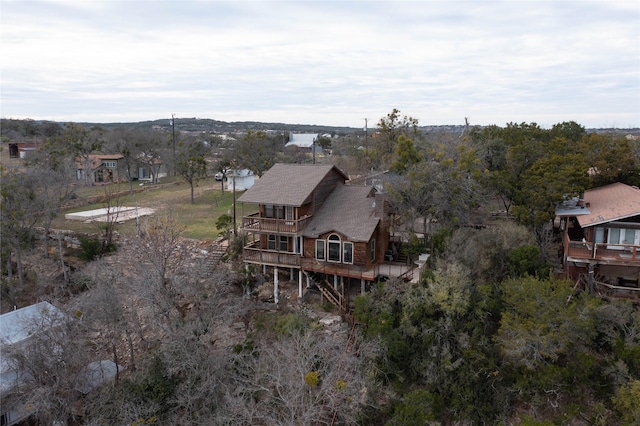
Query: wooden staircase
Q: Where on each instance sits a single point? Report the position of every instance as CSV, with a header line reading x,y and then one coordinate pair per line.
x,y
332,295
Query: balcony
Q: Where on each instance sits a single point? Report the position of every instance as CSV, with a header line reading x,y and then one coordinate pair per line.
x,y
269,225
619,254
253,254
386,269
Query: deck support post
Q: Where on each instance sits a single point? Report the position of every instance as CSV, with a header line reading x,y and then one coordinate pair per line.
x,y
335,282
300,284
275,285
362,285
590,279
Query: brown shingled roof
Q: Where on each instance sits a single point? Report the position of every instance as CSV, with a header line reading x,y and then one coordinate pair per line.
x,y
349,210
97,159
288,184
611,202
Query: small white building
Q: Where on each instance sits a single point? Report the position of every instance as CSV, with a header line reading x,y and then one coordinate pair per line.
x,y
244,179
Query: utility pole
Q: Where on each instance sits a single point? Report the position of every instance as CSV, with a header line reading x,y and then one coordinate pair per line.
x,y
366,134
173,131
235,226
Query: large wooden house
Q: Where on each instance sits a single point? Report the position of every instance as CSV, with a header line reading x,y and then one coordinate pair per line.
x,y
314,226
601,239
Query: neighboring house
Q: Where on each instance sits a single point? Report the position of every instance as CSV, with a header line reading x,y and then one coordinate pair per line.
x,y
241,179
103,168
16,329
149,167
319,229
21,149
307,141
601,239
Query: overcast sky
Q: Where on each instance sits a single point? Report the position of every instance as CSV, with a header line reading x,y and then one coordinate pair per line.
x,y
325,62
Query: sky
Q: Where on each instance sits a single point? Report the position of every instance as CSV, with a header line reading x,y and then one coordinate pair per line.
x,y
334,63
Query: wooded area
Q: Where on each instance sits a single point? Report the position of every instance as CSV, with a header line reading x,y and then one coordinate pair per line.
x,y
492,333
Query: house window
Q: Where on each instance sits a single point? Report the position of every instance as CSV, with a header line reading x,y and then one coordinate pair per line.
x,y
288,211
334,248
111,164
373,250
320,249
599,235
271,242
622,236
272,211
347,252
284,243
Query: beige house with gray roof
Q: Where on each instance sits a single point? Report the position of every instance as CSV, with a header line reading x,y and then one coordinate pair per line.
x,y
313,225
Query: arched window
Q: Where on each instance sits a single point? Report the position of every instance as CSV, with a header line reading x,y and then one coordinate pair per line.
x,y
334,248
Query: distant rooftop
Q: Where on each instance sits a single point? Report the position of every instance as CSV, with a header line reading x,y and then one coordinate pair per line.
x,y
303,140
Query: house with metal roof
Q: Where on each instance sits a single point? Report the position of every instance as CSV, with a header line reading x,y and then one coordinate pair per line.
x,y
601,239
304,140
312,224
22,332
16,329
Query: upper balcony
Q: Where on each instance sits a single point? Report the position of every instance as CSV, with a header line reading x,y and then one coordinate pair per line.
x,y
269,225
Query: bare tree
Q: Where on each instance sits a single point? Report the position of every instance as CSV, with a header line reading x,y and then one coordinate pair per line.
x,y
76,142
191,163
112,204
53,365
20,211
306,377
159,253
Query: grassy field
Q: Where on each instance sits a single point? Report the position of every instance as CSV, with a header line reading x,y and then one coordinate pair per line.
x,y
199,218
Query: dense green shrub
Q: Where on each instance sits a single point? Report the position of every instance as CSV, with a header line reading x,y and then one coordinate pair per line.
x,y
91,248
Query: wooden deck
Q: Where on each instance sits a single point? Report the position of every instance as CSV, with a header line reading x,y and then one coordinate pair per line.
x,y
603,253
274,258
386,270
265,225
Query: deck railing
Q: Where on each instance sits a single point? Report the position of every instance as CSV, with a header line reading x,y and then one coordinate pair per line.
x,y
253,254
340,269
257,223
602,251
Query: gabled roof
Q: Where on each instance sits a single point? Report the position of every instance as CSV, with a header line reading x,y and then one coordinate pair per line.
x,y
288,184
349,210
97,159
610,203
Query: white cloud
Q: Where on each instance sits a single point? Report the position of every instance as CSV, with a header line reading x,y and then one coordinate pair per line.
x,y
323,62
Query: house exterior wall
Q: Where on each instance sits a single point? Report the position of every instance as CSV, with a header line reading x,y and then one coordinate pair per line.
x,y
606,256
